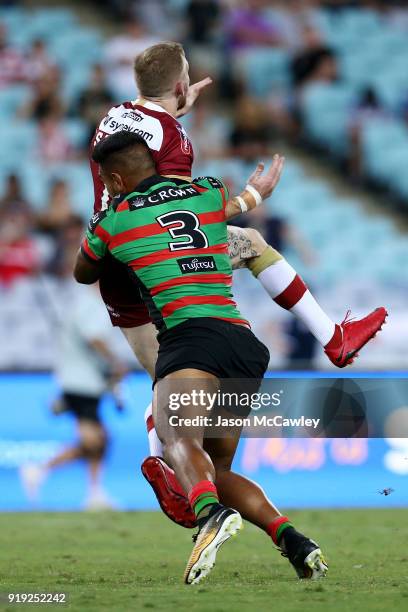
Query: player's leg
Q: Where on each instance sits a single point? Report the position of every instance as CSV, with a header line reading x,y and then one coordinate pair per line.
x,y
341,342
143,342
236,490
183,450
183,446
126,309
33,475
163,480
169,493
249,499
93,441
67,455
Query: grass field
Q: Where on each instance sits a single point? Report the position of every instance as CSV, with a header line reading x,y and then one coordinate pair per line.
x,y
134,561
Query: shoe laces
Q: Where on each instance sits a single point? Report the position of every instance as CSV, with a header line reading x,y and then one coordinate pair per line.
x,y
195,536
347,319
282,552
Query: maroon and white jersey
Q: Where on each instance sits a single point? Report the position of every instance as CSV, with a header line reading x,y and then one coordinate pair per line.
x,y
168,141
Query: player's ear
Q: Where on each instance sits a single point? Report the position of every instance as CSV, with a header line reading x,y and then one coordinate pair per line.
x,y
118,185
179,89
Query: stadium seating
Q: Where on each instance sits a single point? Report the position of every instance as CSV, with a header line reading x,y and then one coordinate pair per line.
x,y
265,69
371,53
307,203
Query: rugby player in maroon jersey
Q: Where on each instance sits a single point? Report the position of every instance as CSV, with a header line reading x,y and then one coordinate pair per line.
x,y
165,93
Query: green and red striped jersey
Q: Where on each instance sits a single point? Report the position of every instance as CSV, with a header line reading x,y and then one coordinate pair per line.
x,y
173,235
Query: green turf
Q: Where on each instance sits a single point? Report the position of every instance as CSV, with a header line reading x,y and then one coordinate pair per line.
x,y
134,561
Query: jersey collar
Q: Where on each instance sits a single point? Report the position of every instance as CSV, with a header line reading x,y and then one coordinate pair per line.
x,y
150,105
151,181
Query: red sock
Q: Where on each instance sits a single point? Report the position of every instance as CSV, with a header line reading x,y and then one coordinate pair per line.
x,y
292,294
277,527
203,494
149,423
336,339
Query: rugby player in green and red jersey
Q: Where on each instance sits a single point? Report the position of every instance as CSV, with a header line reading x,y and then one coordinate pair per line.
x,y
165,93
173,235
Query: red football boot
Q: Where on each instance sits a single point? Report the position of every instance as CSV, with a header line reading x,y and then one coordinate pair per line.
x,y
350,336
170,495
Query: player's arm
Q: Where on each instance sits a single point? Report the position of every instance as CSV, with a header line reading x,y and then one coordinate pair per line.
x,y
259,187
85,271
116,369
93,249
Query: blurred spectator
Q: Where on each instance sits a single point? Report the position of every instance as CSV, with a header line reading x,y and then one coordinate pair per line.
x,y
120,53
45,99
202,36
158,17
315,64
86,368
299,25
248,26
337,5
201,17
12,63
367,108
53,143
19,254
68,240
38,62
95,100
403,107
251,131
13,196
58,210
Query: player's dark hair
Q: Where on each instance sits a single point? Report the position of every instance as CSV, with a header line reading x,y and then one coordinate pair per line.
x,y
124,152
118,143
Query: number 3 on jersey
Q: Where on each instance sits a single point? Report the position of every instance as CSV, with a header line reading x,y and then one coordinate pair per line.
x,y
184,224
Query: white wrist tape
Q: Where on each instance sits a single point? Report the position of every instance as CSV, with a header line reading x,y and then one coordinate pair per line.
x,y
243,205
255,193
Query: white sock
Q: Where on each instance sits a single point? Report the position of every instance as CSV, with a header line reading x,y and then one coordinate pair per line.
x,y
314,317
155,446
276,279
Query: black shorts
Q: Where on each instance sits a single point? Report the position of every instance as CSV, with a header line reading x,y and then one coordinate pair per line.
x,y
223,349
82,406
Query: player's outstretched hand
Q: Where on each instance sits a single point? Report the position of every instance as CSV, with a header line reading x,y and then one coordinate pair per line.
x,y
266,183
192,95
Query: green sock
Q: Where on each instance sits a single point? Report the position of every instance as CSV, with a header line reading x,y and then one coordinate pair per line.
x,y
203,502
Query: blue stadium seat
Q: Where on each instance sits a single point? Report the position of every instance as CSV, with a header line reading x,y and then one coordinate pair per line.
x,y
77,132
46,24
325,109
383,135
76,79
12,99
84,44
18,138
54,18
265,69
